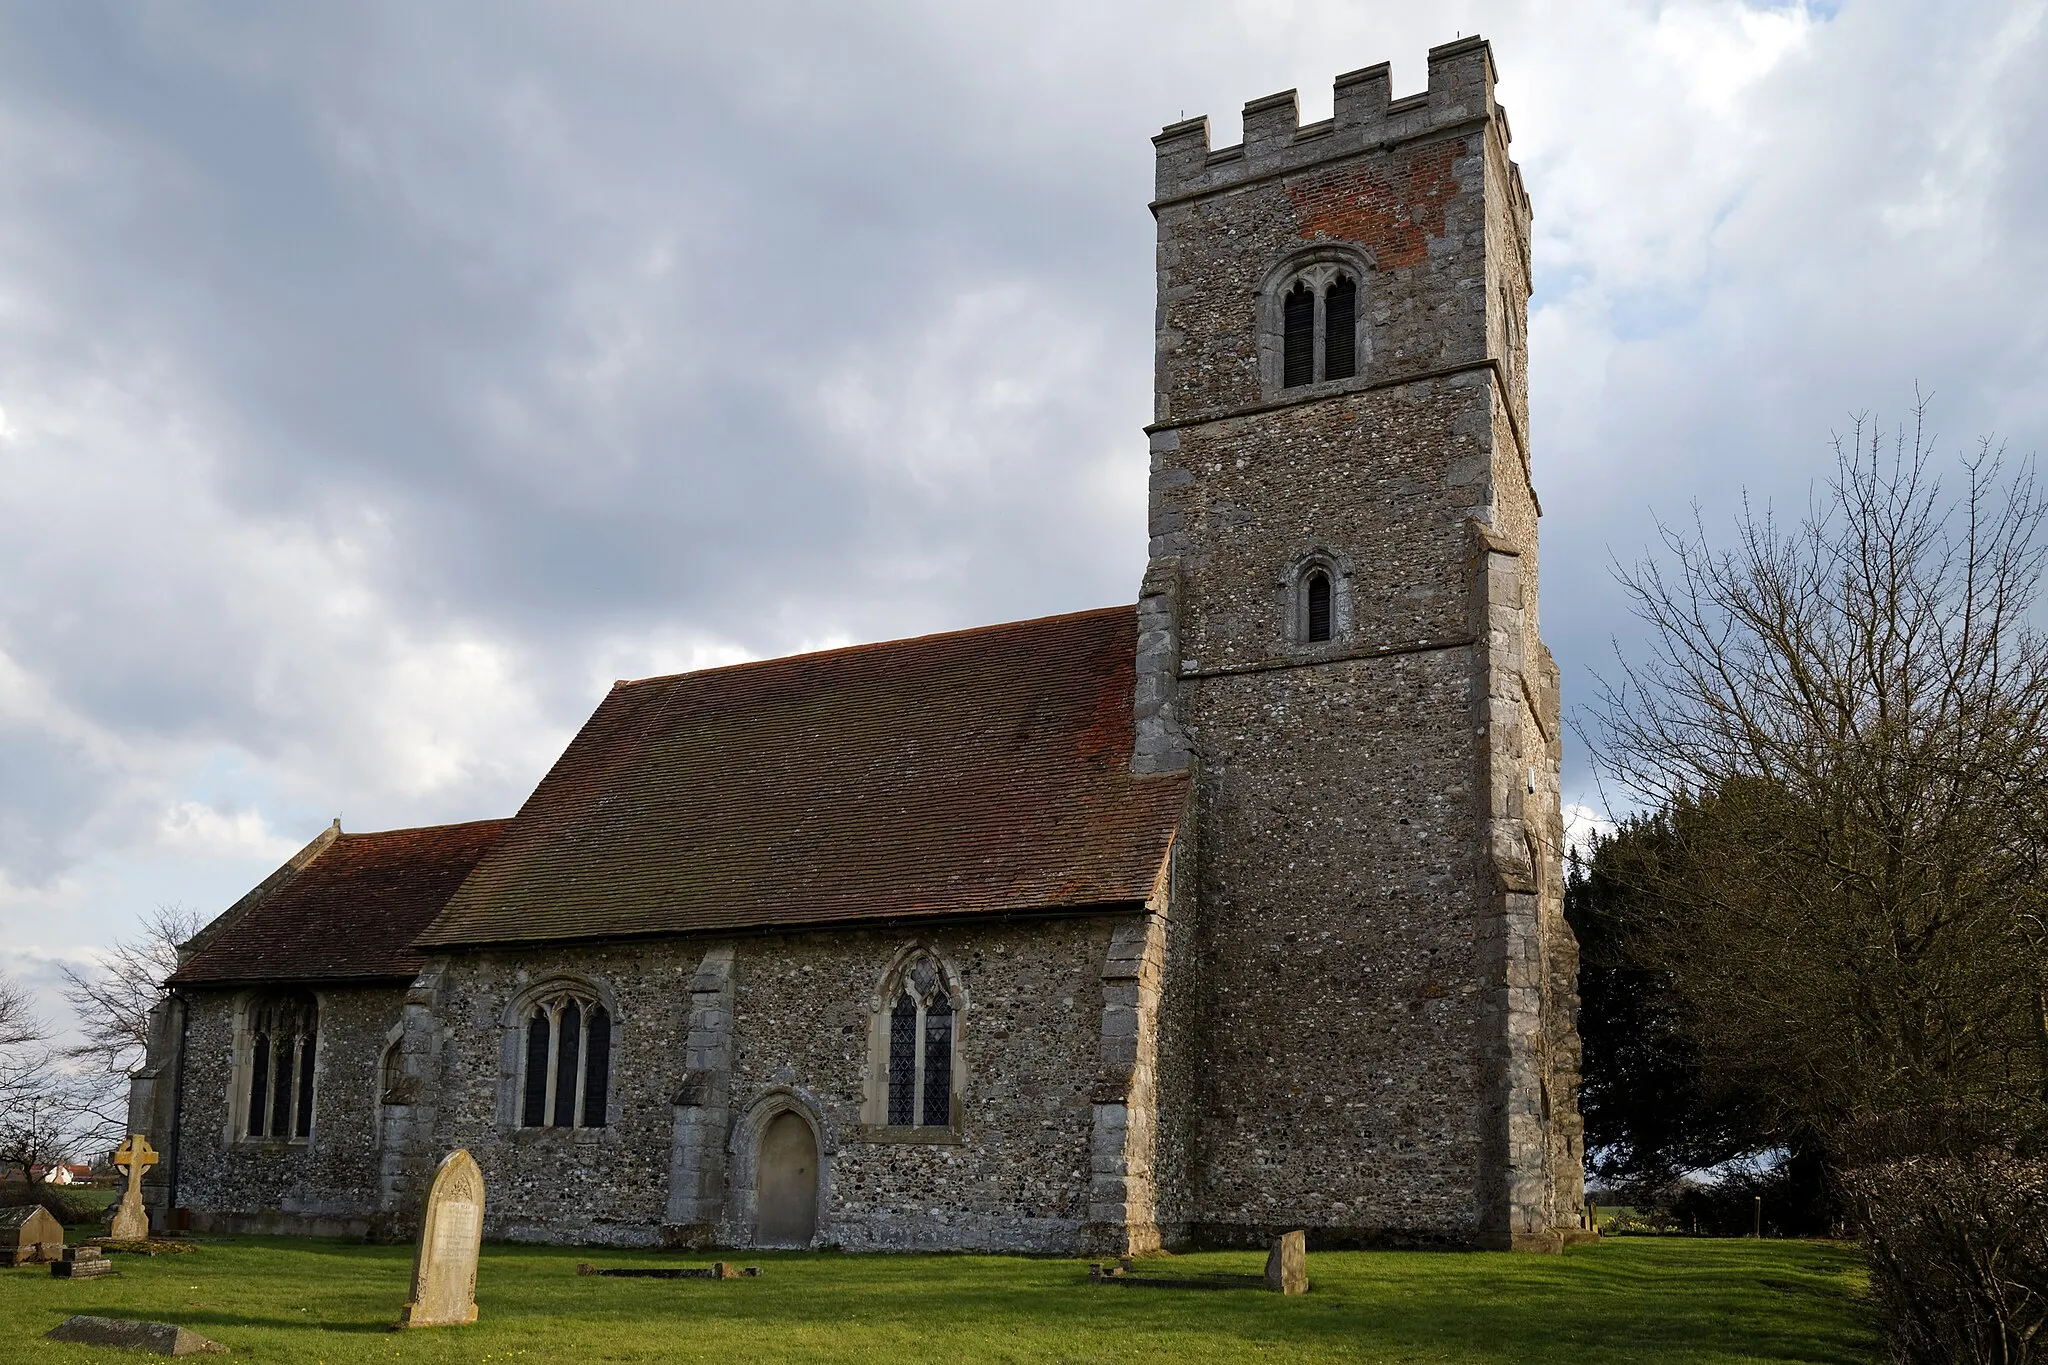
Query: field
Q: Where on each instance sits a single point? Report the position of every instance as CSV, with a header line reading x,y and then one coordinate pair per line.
x,y
1625,1300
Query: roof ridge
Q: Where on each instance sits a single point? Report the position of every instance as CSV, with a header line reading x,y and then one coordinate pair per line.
x,y
869,645
422,829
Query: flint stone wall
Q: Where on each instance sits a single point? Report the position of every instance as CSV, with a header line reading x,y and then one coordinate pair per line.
x,y
1341,900
325,1186
1017,1180
1389,1054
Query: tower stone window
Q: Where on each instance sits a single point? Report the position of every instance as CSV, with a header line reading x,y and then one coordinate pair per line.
x,y
1300,343
1315,599
1311,326
1340,328
1316,606
277,1051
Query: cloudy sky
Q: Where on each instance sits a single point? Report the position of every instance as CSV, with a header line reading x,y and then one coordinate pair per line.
x,y
378,382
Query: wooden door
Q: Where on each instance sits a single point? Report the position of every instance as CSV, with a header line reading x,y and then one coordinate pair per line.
x,y
786,1184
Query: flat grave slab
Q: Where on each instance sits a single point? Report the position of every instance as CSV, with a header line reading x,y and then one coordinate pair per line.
x,y
717,1270
163,1338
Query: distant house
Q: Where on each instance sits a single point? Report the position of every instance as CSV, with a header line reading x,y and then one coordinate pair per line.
x,y
59,1175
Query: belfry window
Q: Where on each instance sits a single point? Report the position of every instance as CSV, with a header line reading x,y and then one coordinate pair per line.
x,y
280,1046
1316,622
1299,318
1340,328
1311,326
921,1035
565,1079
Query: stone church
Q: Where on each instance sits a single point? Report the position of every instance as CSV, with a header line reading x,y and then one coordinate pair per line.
x,y
1235,910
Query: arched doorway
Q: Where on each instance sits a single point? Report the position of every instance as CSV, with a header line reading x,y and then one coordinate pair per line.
x,y
786,1183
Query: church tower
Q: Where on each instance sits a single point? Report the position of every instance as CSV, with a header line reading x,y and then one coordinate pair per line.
x,y
1338,637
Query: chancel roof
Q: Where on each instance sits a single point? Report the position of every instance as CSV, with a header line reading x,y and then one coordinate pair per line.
x,y
346,908
980,772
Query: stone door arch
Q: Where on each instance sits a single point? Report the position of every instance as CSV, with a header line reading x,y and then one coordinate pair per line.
x,y
786,1182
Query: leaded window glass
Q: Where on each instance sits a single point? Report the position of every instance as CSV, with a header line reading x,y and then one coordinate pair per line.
x,y
938,1064
566,1080
922,1034
282,1049
903,1063
597,1075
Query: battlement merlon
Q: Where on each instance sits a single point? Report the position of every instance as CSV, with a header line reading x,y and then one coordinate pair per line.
x,y
1365,115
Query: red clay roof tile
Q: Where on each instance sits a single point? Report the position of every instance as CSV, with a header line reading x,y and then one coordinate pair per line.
x,y
350,913
983,771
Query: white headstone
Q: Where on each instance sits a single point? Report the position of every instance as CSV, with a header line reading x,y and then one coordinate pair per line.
x,y
451,1233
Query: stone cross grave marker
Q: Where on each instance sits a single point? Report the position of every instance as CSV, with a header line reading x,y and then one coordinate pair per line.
x,y
131,1220
451,1233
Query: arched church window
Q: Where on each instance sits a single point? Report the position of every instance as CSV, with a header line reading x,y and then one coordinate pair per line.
x,y
1310,327
920,1035
1316,623
391,1073
565,1079
1340,328
277,1090
1299,323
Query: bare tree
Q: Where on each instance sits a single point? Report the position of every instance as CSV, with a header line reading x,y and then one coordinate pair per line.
x,y
24,1045
114,999
1845,724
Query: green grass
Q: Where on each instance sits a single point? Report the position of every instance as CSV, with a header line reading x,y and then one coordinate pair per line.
x,y
1624,1300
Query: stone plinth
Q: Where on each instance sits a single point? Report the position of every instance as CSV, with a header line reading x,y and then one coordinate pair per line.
x,y
1287,1264
82,1263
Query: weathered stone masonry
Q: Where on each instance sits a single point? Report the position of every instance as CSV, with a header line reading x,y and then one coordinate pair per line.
x,y
1243,918
1385,973
329,1184
785,1018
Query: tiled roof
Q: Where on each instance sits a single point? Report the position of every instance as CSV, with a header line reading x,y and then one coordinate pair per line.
x,y
980,772
350,911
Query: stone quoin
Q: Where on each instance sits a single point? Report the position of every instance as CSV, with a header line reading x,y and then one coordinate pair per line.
x,y
1201,921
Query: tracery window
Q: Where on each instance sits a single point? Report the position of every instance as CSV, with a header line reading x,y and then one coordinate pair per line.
x,y
922,1034
565,1075
280,1042
1311,324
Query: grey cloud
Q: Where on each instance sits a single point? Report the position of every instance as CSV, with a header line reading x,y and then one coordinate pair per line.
x,y
379,368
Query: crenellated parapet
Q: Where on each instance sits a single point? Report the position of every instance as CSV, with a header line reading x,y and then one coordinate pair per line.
x,y
1365,116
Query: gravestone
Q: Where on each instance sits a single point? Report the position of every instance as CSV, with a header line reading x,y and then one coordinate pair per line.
x,y
451,1233
82,1263
1287,1264
131,1220
164,1338
29,1234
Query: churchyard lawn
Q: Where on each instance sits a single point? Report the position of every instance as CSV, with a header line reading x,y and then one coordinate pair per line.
x,y
1626,1300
